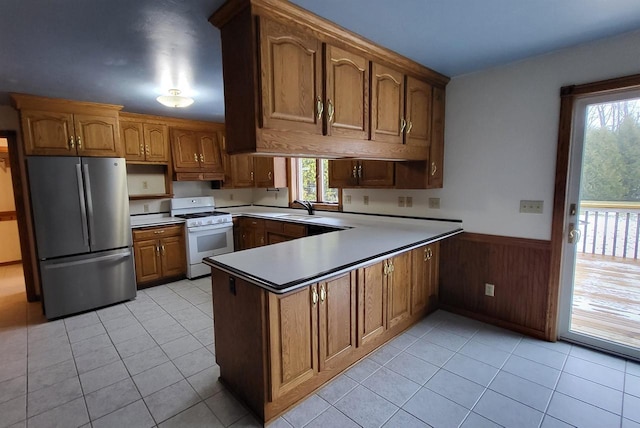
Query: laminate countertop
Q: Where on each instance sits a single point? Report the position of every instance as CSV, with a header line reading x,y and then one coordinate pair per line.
x,y
147,220
363,240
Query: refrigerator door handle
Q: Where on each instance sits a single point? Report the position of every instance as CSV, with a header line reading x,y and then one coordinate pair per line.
x,y
83,208
87,185
123,255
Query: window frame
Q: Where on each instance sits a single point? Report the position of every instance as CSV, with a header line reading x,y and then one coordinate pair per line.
x,y
295,191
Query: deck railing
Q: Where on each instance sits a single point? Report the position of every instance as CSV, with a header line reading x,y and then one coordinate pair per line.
x,y
610,228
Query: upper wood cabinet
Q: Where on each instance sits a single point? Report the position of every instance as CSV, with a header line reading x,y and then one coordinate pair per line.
x,y
418,112
361,173
291,65
347,94
196,154
55,127
387,105
256,171
144,142
436,150
299,85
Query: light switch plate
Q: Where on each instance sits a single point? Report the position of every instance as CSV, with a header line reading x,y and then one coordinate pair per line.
x,y
489,290
365,200
409,201
347,199
434,203
401,201
531,207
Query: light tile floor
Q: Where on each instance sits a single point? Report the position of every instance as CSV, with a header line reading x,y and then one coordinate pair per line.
x,y
150,362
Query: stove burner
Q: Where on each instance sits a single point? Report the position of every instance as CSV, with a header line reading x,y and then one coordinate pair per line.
x,y
200,215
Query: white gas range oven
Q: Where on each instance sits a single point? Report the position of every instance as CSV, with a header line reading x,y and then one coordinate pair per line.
x,y
208,232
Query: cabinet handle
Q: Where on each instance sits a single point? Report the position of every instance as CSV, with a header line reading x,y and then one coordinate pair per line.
x,y
157,232
403,124
391,267
355,171
409,127
314,295
323,293
262,240
79,142
162,248
251,175
427,254
269,175
319,108
147,149
201,157
386,268
360,170
158,249
195,157
141,150
434,168
71,143
330,110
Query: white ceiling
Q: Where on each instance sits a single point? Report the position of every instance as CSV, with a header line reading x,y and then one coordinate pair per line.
x,y
130,51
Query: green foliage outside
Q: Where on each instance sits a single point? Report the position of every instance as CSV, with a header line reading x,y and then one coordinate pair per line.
x,y
308,178
611,159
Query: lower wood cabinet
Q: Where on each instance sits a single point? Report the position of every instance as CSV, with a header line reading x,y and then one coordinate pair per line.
x,y
159,254
275,349
251,233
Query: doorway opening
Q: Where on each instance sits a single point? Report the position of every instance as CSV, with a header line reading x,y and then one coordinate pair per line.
x,y
600,284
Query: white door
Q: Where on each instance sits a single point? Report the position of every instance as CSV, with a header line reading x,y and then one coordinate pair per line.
x,y
600,283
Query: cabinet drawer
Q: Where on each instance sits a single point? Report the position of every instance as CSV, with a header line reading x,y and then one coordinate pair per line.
x,y
156,232
294,230
253,223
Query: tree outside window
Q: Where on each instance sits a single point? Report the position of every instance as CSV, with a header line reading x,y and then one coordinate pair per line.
x,y
313,181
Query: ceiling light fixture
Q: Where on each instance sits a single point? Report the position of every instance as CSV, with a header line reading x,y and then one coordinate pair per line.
x,y
174,99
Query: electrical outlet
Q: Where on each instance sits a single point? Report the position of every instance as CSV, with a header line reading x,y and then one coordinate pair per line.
x,y
145,185
489,290
409,201
347,199
401,201
365,200
434,203
531,207
231,196
145,207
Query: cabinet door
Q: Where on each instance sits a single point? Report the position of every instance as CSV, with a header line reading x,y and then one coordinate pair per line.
x,y
173,256
376,173
210,158
372,303
291,66
424,286
186,148
226,160
419,96
399,288
293,339
242,170
97,135
132,139
347,98
147,259
156,142
436,151
387,104
343,173
337,317
48,133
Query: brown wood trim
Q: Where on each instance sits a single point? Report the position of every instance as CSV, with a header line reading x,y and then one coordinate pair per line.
x,y
8,216
326,31
142,197
505,240
519,269
602,87
23,214
33,102
12,262
172,121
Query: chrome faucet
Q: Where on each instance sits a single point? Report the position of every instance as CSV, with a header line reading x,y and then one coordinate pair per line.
x,y
307,204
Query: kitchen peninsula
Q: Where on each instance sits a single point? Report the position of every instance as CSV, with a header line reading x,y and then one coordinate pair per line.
x,y
289,317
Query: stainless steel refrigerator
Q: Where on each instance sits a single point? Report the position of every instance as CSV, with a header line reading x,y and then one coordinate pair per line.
x,y
83,234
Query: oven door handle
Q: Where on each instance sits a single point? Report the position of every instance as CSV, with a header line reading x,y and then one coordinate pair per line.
x,y
210,227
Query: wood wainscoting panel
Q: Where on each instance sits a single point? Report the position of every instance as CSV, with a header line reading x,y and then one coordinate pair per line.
x,y
518,268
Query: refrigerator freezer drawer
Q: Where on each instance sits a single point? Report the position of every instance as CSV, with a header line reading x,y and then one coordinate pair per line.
x,y
80,283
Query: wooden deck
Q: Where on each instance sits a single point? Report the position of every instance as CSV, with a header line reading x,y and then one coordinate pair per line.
x,y
606,298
